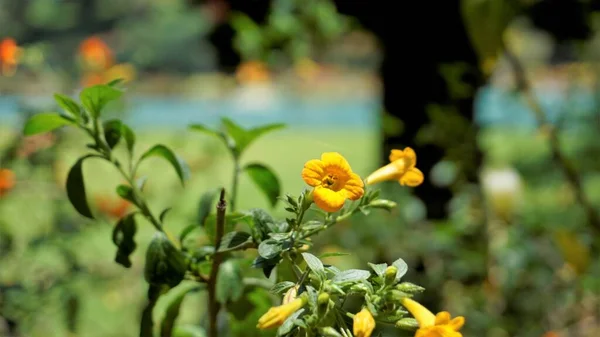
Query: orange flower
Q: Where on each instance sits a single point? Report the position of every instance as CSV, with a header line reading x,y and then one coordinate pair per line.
x,y
96,54
252,71
9,56
333,181
364,323
401,167
7,181
113,207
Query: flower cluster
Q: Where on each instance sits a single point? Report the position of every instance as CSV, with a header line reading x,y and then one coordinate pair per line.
x,y
317,301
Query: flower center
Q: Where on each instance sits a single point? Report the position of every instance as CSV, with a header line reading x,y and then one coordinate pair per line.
x,y
329,180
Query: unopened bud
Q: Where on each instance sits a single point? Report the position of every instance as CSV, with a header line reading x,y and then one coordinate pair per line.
x,y
390,275
329,332
409,287
290,295
397,295
409,324
383,204
323,299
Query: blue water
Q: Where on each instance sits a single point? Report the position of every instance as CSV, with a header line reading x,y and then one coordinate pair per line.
x,y
492,107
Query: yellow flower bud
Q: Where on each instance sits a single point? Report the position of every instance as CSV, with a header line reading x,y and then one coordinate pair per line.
x,y
290,295
390,275
364,323
277,315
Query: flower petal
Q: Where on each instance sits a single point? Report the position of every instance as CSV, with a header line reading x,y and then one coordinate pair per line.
x,y
457,322
442,317
329,200
336,160
388,172
354,187
420,313
413,177
312,173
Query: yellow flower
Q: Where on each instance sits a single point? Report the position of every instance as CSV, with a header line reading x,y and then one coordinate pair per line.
x,y
440,325
277,315
333,180
401,167
364,323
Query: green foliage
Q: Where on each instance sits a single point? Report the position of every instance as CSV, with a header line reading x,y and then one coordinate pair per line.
x,y
45,122
214,263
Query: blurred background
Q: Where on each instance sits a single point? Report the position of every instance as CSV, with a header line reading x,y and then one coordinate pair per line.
x,y
499,98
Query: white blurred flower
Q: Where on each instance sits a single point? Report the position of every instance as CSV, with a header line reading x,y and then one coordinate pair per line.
x,y
503,190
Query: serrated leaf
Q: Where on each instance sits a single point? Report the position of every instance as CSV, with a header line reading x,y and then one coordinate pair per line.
x,y
205,205
164,152
351,275
281,287
269,248
234,239
379,269
243,138
266,180
44,122
230,283
69,105
166,326
165,265
402,268
95,98
76,187
123,236
314,263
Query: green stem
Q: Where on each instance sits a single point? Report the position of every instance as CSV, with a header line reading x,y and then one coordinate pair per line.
x,y
234,185
213,305
243,246
329,224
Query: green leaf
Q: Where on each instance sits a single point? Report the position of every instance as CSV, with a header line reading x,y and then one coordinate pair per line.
x,y
163,214
166,153
69,105
95,98
126,192
234,239
115,130
166,326
189,330
314,264
269,248
186,231
165,265
266,180
76,188
281,287
261,225
351,275
266,265
288,324
210,225
44,122
115,82
402,268
243,138
333,254
147,324
379,269
205,205
123,236
203,129
230,284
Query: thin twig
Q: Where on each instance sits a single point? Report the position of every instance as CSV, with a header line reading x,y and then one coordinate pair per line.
x,y
213,305
573,178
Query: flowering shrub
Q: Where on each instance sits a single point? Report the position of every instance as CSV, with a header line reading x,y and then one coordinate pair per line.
x,y
314,294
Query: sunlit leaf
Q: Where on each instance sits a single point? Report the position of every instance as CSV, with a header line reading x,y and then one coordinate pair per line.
x,y
45,122
266,180
166,153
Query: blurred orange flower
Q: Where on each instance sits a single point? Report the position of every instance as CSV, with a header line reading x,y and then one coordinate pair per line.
x,y
95,53
35,143
252,71
7,181
112,206
9,56
550,334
